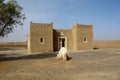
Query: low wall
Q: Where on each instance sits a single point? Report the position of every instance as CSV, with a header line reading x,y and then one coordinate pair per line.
x,y
106,44
13,44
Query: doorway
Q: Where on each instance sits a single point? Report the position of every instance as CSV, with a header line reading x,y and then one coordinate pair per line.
x,y
62,42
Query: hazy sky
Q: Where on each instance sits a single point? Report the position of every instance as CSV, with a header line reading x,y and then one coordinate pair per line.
x,y
103,14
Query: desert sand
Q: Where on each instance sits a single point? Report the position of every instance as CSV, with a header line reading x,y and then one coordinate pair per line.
x,y
99,64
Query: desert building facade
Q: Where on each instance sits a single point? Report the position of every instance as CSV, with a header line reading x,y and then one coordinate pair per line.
x,y
43,38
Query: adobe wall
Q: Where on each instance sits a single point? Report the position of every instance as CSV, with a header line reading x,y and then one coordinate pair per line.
x,y
113,43
28,42
66,33
74,35
41,30
83,31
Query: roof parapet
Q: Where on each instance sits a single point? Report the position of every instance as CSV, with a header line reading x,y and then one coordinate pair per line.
x,y
77,24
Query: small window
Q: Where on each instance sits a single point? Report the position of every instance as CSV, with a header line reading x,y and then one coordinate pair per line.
x,y
41,40
85,40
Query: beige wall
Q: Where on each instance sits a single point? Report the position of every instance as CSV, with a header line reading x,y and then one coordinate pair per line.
x,y
28,42
38,30
74,37
84,31
67,34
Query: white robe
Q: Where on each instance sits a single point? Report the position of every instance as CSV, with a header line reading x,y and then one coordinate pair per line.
x,y
63,54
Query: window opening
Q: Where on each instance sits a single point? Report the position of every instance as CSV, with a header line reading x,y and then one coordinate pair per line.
x,y
41,40
85,40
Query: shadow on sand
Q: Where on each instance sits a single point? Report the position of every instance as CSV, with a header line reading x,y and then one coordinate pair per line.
x,y
69,58
95,48
11,57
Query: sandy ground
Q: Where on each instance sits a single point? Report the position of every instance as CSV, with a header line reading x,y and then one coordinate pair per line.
x,y
99,64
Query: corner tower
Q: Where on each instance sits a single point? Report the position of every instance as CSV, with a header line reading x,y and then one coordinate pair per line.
x,y
82,37
40,38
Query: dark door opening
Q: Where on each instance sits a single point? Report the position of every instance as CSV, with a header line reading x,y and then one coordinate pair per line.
x,y
61,43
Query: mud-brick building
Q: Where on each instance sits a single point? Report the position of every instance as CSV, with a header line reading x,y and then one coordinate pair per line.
x,y
43,38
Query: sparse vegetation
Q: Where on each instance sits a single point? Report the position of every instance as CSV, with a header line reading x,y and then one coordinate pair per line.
x,y
10,16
